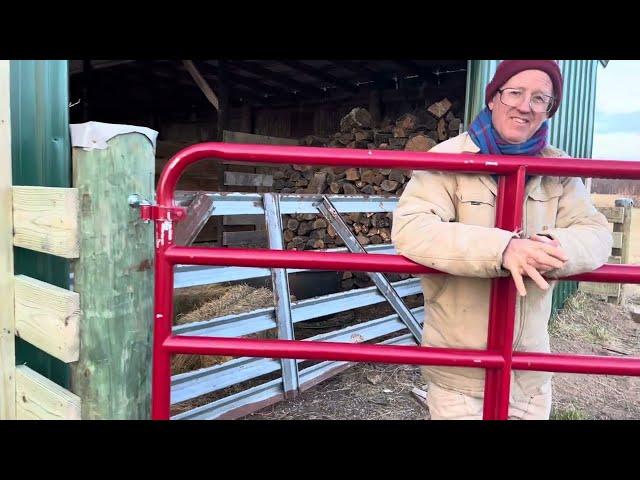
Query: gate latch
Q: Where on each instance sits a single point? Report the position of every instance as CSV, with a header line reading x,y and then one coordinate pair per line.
x,y
150,212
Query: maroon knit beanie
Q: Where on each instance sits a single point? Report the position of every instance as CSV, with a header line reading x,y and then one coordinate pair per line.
x,y
509,68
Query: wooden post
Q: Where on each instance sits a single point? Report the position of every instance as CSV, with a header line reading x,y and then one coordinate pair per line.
x,y
155,95
202,83
223,100
7,321
223,124
374,105
114,276
86,89
247,118
625,228
612,292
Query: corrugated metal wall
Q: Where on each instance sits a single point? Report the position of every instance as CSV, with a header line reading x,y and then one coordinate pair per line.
x,y
479,73
571,127
41,156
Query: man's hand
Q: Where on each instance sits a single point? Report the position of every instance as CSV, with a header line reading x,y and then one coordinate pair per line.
x,y
541,238
530,257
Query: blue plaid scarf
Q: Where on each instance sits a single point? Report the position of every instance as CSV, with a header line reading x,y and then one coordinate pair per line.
x,y
485,136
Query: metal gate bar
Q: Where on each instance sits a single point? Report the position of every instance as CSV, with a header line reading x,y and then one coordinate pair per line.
x,y
498,359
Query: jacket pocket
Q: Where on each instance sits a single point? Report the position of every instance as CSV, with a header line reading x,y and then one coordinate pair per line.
x,y
476,204
542,207
546,192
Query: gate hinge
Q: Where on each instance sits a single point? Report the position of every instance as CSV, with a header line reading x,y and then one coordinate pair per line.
x,y
150,212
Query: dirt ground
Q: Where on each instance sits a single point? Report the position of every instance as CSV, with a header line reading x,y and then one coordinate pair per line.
x,y
383,392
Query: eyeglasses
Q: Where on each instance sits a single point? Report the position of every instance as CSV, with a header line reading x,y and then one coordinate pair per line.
x,y
539,103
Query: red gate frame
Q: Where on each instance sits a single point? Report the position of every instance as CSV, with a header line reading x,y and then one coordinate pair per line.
x,y
498,359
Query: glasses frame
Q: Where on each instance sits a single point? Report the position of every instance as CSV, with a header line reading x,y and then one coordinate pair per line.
x,y
551,101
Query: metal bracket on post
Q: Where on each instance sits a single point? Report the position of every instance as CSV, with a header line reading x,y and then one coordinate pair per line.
x,y
280,279
149,211
386,289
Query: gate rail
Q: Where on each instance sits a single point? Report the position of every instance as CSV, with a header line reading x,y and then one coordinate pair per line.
x,y
498,359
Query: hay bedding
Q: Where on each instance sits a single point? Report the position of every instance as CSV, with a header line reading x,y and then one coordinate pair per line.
x,y
215,301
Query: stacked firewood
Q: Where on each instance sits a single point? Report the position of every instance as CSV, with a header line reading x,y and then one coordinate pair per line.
x,y
419,130
416,131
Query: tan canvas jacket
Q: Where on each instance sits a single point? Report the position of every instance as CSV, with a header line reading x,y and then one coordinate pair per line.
x,y
446,221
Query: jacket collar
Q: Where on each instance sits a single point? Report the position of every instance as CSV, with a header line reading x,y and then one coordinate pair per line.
x,y
532,184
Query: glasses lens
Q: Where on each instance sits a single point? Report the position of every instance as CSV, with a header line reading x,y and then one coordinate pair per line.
x,y
538,103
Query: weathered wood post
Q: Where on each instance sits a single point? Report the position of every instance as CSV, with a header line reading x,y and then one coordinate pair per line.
x,y
7,322
114,274
625,229
620,217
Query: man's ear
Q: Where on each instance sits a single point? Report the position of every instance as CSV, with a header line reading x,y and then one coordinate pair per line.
x,y
492,101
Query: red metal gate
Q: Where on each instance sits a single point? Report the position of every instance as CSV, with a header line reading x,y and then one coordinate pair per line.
x,y
498,359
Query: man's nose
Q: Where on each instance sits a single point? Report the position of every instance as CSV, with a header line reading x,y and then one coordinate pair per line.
x,y
525,104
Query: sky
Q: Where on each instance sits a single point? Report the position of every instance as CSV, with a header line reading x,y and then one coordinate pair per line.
x,y
617,119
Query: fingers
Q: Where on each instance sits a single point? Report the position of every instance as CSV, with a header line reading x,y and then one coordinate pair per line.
x,y
538,266
536,277
542,258
517,279
553,251
533,258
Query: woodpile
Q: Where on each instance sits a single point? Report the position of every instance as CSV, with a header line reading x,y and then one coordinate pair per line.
x,y
418,130
306,231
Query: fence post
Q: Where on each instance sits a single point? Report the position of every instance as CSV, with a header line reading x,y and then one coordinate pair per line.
x,y
114,274
7,321
625,228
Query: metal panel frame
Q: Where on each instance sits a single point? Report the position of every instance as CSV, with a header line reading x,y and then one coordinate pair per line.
x,y
331,214
280,281
498,360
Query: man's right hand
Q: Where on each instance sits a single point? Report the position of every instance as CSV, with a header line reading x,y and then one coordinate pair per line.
x,y
530,257
541,238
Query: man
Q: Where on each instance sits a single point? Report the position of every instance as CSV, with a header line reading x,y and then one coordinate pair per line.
x,y
446,221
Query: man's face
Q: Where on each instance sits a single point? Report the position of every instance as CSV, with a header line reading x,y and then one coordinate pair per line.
x,y
517,124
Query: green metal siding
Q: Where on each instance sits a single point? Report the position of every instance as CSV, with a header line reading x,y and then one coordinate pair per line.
x,y
41,154
571,128
479,73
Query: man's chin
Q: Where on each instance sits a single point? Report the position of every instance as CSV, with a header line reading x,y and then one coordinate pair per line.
x,y
516,139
